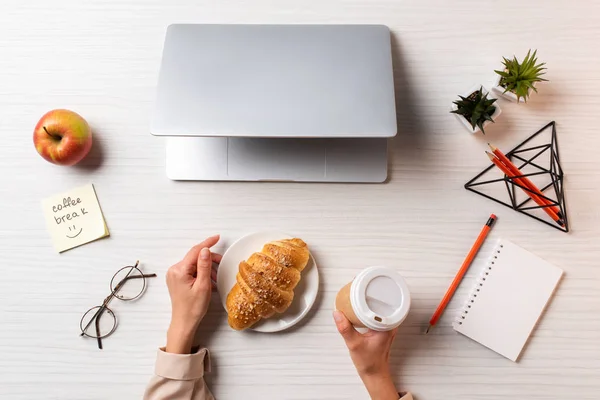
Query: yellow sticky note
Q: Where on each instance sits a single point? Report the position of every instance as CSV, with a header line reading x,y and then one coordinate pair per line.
x,y
74,218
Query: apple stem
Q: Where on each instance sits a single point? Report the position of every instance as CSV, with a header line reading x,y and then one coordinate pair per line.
x,y
51,135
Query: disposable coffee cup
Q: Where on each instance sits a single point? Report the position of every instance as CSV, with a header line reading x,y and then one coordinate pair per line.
x,y
378,298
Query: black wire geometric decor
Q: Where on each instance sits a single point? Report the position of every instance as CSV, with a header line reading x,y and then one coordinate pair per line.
x,y
529,160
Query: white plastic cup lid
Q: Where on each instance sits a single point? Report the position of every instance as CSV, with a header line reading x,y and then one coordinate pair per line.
x,y
380,298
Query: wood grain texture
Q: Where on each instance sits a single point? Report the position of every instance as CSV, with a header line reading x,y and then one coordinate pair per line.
x,y
100,58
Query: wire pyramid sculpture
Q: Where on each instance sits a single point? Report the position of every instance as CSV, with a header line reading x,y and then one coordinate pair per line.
x,y
553,192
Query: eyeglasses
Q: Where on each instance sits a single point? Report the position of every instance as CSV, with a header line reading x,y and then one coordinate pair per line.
x,y
104,327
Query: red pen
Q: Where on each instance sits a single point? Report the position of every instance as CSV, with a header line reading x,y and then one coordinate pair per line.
x,y
461,272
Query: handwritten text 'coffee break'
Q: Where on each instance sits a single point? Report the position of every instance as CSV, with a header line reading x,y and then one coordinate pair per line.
x,y
71,204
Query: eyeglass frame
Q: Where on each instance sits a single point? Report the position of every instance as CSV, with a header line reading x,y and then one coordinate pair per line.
x,y
104,306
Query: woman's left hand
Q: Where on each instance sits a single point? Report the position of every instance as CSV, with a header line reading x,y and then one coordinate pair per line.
x,y
190,284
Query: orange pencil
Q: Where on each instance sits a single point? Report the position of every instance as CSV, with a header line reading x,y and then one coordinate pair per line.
x,y
517,172
519,181
461,272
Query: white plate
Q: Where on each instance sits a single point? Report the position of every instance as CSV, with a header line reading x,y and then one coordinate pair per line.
x,y
304,294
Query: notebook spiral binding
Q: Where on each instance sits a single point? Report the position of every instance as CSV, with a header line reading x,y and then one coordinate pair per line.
x,y
483,277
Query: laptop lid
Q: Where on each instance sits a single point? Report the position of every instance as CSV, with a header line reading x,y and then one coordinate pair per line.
x,y
303,81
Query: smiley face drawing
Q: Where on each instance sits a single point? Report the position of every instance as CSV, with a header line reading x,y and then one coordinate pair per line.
x,y
73,231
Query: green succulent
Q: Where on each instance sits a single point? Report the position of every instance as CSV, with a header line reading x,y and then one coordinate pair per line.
x,y
520,77
476,108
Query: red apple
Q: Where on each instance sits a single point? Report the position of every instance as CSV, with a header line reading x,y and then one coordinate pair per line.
x,y
62,137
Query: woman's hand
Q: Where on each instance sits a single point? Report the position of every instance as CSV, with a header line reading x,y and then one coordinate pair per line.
x,y
190,287
370,353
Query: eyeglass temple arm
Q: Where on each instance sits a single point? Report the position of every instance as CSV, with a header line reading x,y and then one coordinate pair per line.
x,y
94,317
98,327
122,282
136,277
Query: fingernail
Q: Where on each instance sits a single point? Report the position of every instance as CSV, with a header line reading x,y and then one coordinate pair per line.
x,y
205,253
337,316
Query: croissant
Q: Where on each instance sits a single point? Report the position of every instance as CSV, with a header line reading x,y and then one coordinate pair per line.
x,y
265,282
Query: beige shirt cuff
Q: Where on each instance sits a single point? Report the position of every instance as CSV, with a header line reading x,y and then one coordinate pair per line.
x,y
406,396
182,367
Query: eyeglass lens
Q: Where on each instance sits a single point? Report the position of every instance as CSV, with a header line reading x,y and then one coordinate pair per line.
x,y
128,283
103,324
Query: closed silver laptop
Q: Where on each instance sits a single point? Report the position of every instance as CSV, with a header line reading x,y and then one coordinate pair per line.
x,y
276,102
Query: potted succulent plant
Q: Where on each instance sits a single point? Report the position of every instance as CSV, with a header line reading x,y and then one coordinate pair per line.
x,y
475,110
517,79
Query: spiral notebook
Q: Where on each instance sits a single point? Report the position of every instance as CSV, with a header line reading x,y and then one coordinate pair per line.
x,y
508,299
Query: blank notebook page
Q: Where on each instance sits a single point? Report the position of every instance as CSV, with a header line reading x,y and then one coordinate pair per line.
x,y
508,299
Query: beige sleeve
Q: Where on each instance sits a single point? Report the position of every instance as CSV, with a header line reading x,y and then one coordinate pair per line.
x,y
179,377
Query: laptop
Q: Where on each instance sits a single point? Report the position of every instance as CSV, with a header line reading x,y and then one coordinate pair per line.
x,y
309,103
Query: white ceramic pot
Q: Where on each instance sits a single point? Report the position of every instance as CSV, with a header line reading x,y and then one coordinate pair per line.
x,y
499,91
464,121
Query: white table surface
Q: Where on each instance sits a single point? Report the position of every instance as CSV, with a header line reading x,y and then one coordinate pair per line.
x,y
101,58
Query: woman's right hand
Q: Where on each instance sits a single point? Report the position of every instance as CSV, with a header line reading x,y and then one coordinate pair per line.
x,y
370,353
